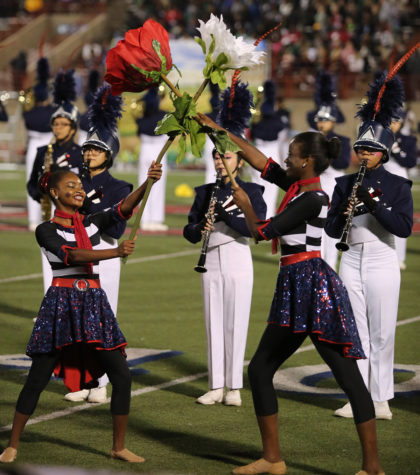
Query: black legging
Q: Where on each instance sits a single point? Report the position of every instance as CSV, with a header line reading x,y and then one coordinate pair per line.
x,y
277,344
113,363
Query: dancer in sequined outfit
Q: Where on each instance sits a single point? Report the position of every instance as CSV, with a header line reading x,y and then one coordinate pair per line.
x,y
76,332
310,298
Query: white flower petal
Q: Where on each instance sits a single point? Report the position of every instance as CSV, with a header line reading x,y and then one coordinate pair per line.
x,y
239,52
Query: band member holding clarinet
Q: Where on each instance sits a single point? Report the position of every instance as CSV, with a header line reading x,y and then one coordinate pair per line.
x,y
226,263
371,212
62,152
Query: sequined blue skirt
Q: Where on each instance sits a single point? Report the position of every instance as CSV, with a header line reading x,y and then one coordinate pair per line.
x,y
69,316
310,297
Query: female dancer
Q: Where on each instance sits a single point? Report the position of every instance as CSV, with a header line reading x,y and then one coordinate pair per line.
x,y
309,297
75,323
100,150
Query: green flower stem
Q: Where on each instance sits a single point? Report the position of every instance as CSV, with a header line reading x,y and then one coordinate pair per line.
x,y
174,89
201,89
143,202
165,148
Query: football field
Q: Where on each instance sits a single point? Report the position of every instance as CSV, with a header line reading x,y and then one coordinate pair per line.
x,y
160,313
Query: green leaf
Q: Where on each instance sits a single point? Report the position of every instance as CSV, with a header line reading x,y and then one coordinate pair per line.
x,y
156,47
212,45
197,137
177,70
222,142
218,77
168,125
221,59
201,43
154,75
182,146
184,107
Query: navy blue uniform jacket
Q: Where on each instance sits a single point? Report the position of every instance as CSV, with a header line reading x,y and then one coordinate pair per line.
x,y
102,192
68,155
389,190
192,230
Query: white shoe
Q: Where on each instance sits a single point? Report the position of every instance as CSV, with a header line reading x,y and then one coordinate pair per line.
x,y
382,410
77,396
97,395
345,411
32,226
151,226
208,399
233,398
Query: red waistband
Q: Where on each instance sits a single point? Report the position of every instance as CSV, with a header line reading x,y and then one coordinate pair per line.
x,y
299,257
78,284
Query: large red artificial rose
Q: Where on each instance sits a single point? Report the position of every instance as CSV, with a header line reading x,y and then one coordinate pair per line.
x,y
137,49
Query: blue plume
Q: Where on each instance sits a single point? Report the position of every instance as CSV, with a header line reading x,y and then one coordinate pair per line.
x,y
93,84
214,99
269,91
105,109
64,87
392,100
42,70
325,92
236,118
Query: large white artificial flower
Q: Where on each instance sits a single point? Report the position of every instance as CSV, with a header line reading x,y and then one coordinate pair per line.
x,y
240,53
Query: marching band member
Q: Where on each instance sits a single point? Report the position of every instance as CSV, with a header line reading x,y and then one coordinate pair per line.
x,y
309,297
369,269
154,212
76,327
102,192
84,124
38,125
209,146
268,134
65,153
227,284
402,156
324,118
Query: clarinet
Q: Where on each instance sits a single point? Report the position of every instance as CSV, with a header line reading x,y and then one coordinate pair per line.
x,y
342,244
200,267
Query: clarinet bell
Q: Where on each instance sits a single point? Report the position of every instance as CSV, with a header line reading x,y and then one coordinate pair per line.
x,y
342,246
200,269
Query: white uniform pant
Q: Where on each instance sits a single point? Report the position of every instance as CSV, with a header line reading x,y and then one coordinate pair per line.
x,y
271,150
371,275
35,140
209,162
400,243
328,250
109,275
227,294
151,145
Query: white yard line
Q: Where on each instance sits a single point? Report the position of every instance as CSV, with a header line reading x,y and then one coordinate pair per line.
x,y
82,407
157,387
138,260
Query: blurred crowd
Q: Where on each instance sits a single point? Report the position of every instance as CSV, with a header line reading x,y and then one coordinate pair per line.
x,y
351,38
